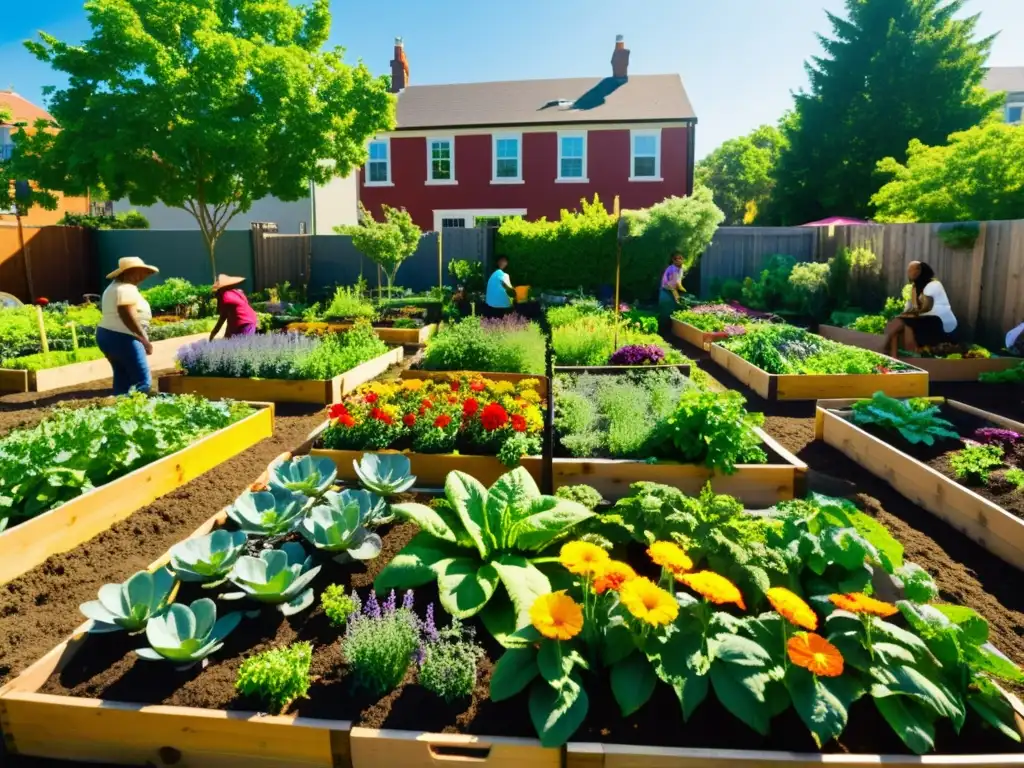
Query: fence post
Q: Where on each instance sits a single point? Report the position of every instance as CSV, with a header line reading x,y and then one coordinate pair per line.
x,y
977,273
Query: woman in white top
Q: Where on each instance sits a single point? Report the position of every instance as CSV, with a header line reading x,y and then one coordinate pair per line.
x,y
928,320
122,333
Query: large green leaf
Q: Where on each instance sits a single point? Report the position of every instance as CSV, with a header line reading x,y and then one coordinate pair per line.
x,y
524,583
890,551
883,630
691,690
513,672
735,649
548,518
905,680
464,586
996,665
616,644
633,682
918,585
821,702
742,691
469,498
994,708
555,662
909,721
557,714
974,627
500,619
415,565
507,501
427,519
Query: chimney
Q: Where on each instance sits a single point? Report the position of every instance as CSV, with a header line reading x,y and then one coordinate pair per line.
x,y
620,59
399,68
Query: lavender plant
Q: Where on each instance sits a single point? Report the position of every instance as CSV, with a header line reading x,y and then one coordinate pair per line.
x,y
381,642
448,661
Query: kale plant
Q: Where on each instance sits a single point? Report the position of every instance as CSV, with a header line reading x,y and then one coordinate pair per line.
x,y
916,425
714,429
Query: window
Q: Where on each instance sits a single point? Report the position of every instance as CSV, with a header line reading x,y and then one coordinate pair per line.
x,y
378,168
441,161
508,166
6,145
645,161
453,223
1014,113
572,156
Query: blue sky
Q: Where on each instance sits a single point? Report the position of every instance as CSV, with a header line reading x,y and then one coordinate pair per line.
x,y
739,59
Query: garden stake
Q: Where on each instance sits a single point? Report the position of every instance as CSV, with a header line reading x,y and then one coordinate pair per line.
x,y
440,259
42,330
74,336
618,267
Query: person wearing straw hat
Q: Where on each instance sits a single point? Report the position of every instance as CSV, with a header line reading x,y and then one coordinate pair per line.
x,y
122,332
233,308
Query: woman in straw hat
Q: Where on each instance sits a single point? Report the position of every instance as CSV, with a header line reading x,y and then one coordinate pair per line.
x,y
122,333
233,308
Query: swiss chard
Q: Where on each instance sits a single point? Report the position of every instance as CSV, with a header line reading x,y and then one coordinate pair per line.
x,y
914,423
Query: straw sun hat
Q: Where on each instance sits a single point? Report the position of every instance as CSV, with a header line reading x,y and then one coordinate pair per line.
x,y
131,262
227,281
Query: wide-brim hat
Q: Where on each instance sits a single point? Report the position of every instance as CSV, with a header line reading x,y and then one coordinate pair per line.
x,y
226,281
131,262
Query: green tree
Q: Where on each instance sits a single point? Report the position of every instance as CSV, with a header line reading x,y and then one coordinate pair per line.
x,y
894,70
11,172
386,243
205,105
741,173
977,176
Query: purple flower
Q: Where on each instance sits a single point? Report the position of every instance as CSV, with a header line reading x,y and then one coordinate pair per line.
x,y
507,324
637,354
271,356
420,655
391,603
715,309
372,607
735,330
429,628
990,435
407,600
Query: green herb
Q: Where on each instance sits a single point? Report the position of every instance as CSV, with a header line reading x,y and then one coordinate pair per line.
x,y
337,605
159,332
44,361
916,420
350,303
449,666
278,676
590,338
179,297
405,322
714,429
581,494
1015,476
495,347
975,462
379,649
1013,375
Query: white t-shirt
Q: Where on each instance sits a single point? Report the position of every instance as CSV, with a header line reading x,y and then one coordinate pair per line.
x,y
1012,336
123,295
940,306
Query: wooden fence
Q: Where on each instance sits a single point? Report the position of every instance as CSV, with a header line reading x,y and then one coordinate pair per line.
x,y
57,263
739,252
280,258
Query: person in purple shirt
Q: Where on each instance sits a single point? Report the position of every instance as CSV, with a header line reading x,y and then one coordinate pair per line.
x,y
233,308
671,289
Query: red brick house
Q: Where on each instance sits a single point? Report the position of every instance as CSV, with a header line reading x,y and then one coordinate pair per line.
x,y
530,147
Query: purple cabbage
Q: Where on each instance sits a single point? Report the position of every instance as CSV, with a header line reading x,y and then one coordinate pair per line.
x,y
990,435
637,354
270,356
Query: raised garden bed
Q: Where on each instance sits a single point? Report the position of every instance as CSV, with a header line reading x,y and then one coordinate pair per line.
x,y
31,542
773,386
387,333
695,336
683,368
938,368
163,357
323,391
923,475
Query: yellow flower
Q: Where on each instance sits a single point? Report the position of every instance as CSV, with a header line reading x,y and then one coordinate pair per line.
x,y
815,653
858,602
412,385
792,608
531,396
502,387
648,602
581,557
534,418
669,556
525,384
612,575
710,585
556,616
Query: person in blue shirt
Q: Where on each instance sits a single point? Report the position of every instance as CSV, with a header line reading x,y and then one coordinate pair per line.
x,y
498,300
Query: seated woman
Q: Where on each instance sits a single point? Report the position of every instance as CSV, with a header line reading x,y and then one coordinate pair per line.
x,y
928,319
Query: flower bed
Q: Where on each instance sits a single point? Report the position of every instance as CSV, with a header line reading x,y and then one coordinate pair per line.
x,y
584,336
962,464
509,345
706,323
79,471
781,362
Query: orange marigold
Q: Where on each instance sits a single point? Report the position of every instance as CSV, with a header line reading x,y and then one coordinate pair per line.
x,y
582,557
669,556
612,575
792,607
858,602
815,653
557,616
717,589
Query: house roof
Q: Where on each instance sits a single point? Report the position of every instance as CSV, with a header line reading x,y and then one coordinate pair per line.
x,y
23,110
1009,79
640,98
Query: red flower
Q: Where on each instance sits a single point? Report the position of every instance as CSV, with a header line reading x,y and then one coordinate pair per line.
x,y
470,407
452,399
42,301
380,415
478,386
371,397
518,423
442,421
409,419
347,420
455,385
425,405
337,411
493,417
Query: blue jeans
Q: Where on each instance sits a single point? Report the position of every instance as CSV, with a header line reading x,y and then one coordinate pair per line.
x,y
127,357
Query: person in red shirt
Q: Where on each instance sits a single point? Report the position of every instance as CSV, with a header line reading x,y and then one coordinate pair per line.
x,y
233,308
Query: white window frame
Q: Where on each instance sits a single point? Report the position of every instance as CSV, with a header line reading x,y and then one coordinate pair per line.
x,y
430,159
1010,105
386,140
633,136
495,138
6,141
582,179
471,215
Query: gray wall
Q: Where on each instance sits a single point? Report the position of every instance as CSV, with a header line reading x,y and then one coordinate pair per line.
x,y
739,252
176,253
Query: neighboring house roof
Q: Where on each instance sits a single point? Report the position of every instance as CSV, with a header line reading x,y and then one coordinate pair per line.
x,y
23,110
1009,79
639,98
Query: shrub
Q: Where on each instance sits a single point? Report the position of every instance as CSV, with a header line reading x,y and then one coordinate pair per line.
x,y
126,220
278,676
590,340
386,243
808,289
19,329
181,328
581,494
449,660
769,291
338,606
468,274
350,303
44,361
510,345
179,297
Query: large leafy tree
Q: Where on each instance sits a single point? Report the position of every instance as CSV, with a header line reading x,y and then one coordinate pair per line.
x,y
206,105
977,176
740,173
894,70
10,198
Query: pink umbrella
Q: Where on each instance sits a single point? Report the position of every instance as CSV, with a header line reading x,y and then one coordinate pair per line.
x,y
835,221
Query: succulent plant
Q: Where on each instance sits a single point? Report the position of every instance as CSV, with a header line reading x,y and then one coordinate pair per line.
x,y
268,513
387,474
337,525
130,606
278,577
187,634
303,474
208,559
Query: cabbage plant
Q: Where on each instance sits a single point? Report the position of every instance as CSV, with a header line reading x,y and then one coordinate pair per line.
x,y
188,634
268,513
308,475
207,559
387,474
278,577
338,525
130,606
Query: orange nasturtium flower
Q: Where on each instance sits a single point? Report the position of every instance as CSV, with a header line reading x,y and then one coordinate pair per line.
x,y
582,557
612,575
649,602
557,616
792,607
670,556
815,653
858,602
717,589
